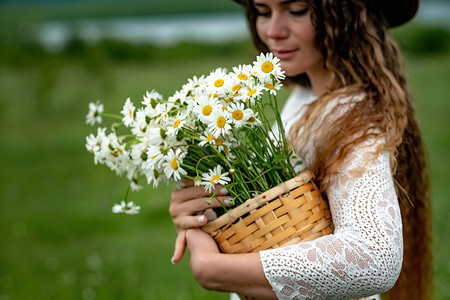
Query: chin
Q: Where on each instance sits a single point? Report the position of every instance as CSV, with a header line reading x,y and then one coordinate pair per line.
x,y
290,70
291,73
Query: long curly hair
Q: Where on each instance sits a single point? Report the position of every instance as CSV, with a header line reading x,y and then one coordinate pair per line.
x,y
362,59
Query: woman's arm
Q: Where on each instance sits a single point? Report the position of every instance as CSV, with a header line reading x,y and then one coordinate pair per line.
x,y
240,273
364,255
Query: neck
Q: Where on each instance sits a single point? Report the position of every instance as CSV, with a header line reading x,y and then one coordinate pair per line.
x,y
319,79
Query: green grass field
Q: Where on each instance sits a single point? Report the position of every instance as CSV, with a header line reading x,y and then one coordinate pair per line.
x,y
59,239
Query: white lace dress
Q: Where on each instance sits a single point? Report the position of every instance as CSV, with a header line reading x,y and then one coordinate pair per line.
x,y
364,255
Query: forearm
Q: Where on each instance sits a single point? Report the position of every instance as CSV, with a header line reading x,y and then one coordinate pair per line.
x,y
239,273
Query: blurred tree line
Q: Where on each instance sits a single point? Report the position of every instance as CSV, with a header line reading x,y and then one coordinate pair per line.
x,y
18,47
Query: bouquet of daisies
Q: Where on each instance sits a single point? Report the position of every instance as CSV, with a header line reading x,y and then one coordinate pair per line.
x,y
214,130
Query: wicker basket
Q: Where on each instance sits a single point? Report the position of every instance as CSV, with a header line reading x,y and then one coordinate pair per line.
x,y
287,214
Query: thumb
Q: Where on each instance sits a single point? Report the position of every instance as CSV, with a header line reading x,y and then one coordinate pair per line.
x,y
180,246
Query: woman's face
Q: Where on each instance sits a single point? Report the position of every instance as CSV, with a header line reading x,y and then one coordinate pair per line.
x,y
286,29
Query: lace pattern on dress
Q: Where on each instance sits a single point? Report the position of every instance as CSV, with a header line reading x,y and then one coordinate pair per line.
x,y
364,255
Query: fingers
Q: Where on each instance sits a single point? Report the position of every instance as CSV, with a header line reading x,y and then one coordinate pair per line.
x,y
194,192
192,206
186,222
180,247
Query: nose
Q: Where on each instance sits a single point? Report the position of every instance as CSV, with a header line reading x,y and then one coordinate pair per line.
x,y
277,27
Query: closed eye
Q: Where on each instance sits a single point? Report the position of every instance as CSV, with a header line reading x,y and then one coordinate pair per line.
x,y
299,12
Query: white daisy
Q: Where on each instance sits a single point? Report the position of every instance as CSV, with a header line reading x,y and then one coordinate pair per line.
x,y
152,176
94,144
239,113
204,107
194,86
138,153
213,177
220,123
267,66
179,97
206,139
172,164
151,98
251,93
242,73
253,120
155,134
272,86
128,113
236,86
128,208
162,113
155,158
94,114
218,83
141,123
177,123
116,157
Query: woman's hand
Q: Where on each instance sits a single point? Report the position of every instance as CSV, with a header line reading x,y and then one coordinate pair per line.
x,y
240,273
203,251
189,209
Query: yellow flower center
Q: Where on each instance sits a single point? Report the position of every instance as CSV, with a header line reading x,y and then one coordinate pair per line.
x,y
228,100
225,148
120,150
218,83
218,142
237,114
207,109
236,88
251,119
251,92
269,86
224,108
209,138
131,113
215,179
267,67
221,122
174,164
216,95
242,76
177,123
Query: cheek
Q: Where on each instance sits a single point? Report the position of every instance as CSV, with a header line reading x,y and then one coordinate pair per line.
x,y
261,29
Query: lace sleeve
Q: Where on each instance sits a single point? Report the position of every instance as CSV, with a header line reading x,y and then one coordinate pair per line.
x,y
364,255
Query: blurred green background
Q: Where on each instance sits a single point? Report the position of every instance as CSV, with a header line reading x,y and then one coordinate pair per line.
x,y
58,237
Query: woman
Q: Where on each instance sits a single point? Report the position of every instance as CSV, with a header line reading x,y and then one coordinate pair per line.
x,y
351,120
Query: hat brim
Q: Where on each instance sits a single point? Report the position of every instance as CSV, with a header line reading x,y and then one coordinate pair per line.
x,y
397,12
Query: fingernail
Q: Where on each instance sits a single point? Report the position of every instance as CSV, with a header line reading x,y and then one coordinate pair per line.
x,y
223,191
201,219
172,261
228,201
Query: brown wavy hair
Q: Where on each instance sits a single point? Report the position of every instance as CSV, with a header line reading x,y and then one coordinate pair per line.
x,y
363,60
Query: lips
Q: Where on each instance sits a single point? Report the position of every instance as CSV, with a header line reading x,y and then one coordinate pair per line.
x,y
284,54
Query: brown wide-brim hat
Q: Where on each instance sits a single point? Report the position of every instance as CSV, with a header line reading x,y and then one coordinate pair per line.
x,y
397,12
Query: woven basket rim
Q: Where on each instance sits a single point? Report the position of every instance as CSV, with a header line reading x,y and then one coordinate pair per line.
x,y
259,200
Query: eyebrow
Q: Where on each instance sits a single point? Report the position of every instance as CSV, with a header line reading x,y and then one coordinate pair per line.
x,y
285,2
